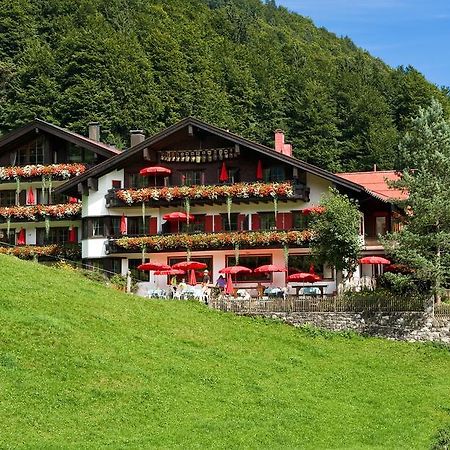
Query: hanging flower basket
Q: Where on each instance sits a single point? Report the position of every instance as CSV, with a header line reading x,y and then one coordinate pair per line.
x,y
234,191
64,171
240,239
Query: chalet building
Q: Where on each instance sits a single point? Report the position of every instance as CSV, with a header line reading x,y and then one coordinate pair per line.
x,y
200,191
34,161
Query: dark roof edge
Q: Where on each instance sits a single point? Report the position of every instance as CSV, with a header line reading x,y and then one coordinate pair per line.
x,y
112,163
98,147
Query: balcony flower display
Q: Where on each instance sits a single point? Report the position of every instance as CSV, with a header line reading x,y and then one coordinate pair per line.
x,y
40,212
237,190
72,251
64,171
240,239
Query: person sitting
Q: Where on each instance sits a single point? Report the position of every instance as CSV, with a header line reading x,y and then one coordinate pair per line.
x,y
182,286
206,278
221,282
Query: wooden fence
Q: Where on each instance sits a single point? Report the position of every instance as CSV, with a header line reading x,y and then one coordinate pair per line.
x,y
319,304
442,310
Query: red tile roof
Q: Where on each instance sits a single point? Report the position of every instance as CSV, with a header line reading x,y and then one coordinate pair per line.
x,y
376,182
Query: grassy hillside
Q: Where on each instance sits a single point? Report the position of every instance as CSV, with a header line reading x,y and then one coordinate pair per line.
x,y
82,366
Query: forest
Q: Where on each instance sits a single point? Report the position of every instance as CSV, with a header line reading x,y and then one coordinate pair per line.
x,y
244,65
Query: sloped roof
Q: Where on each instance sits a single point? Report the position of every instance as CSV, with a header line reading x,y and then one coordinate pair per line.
x,y
120,160
377,183
75,138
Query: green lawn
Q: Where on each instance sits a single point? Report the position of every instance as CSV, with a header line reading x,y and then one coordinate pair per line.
x,y
84,366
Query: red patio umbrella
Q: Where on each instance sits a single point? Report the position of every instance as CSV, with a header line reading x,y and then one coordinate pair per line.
x,y
235,269
21,237
30,197
155,171
170,272
151,266
223,173
229,288
374,260
189,265
259,171
123,225
270,268
178,217
72,238
305,277
72,200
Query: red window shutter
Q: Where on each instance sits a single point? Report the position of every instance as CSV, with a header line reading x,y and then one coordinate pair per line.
x,y
218,226
280,221
153,226
256,222
208,224
288,221
76,234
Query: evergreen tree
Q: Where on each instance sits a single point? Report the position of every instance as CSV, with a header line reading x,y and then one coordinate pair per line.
x,y
424,241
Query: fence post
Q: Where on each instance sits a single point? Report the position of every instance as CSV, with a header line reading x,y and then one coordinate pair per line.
x,y
128,282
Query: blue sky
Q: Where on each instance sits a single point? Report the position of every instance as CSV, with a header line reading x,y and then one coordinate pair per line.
x,y
400,32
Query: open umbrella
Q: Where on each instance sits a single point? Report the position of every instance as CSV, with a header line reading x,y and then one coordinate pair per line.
x,y
170,272
189,265
151,266
259,171
270,268
155,171
192,278
30,197
305,277
374,260
123,225
235,269
178,217
223,173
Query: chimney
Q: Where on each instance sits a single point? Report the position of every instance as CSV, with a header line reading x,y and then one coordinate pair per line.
x,y
136,137
94,131
280,146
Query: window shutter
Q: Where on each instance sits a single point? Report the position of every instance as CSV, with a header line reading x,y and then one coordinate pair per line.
x,y
218,226
75,231
153,226
256,222
280,224
208,224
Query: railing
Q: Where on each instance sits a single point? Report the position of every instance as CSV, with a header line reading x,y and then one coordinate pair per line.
x,y
442,310
329,304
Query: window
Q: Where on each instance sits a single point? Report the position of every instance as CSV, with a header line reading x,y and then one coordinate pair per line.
x,y
232,224
197,225
6,238
302,263
76,154
98,227
252,262
56,235
139,275
116,184
233,175
113,226
7,198
42,198
31,153
300,221
275,173
267,221
137,226
380,225
137,181
192,177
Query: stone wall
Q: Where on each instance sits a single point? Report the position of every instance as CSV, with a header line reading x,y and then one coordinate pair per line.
x,y
411,326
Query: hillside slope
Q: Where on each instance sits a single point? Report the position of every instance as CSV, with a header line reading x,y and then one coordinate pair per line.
x,y
82,366
244,65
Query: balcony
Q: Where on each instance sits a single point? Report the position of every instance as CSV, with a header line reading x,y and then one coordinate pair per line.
x,y
38,213
208,195
38,172
208,241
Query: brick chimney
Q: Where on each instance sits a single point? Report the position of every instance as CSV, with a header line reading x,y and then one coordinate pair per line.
x,y
136,137
280,146
94,131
